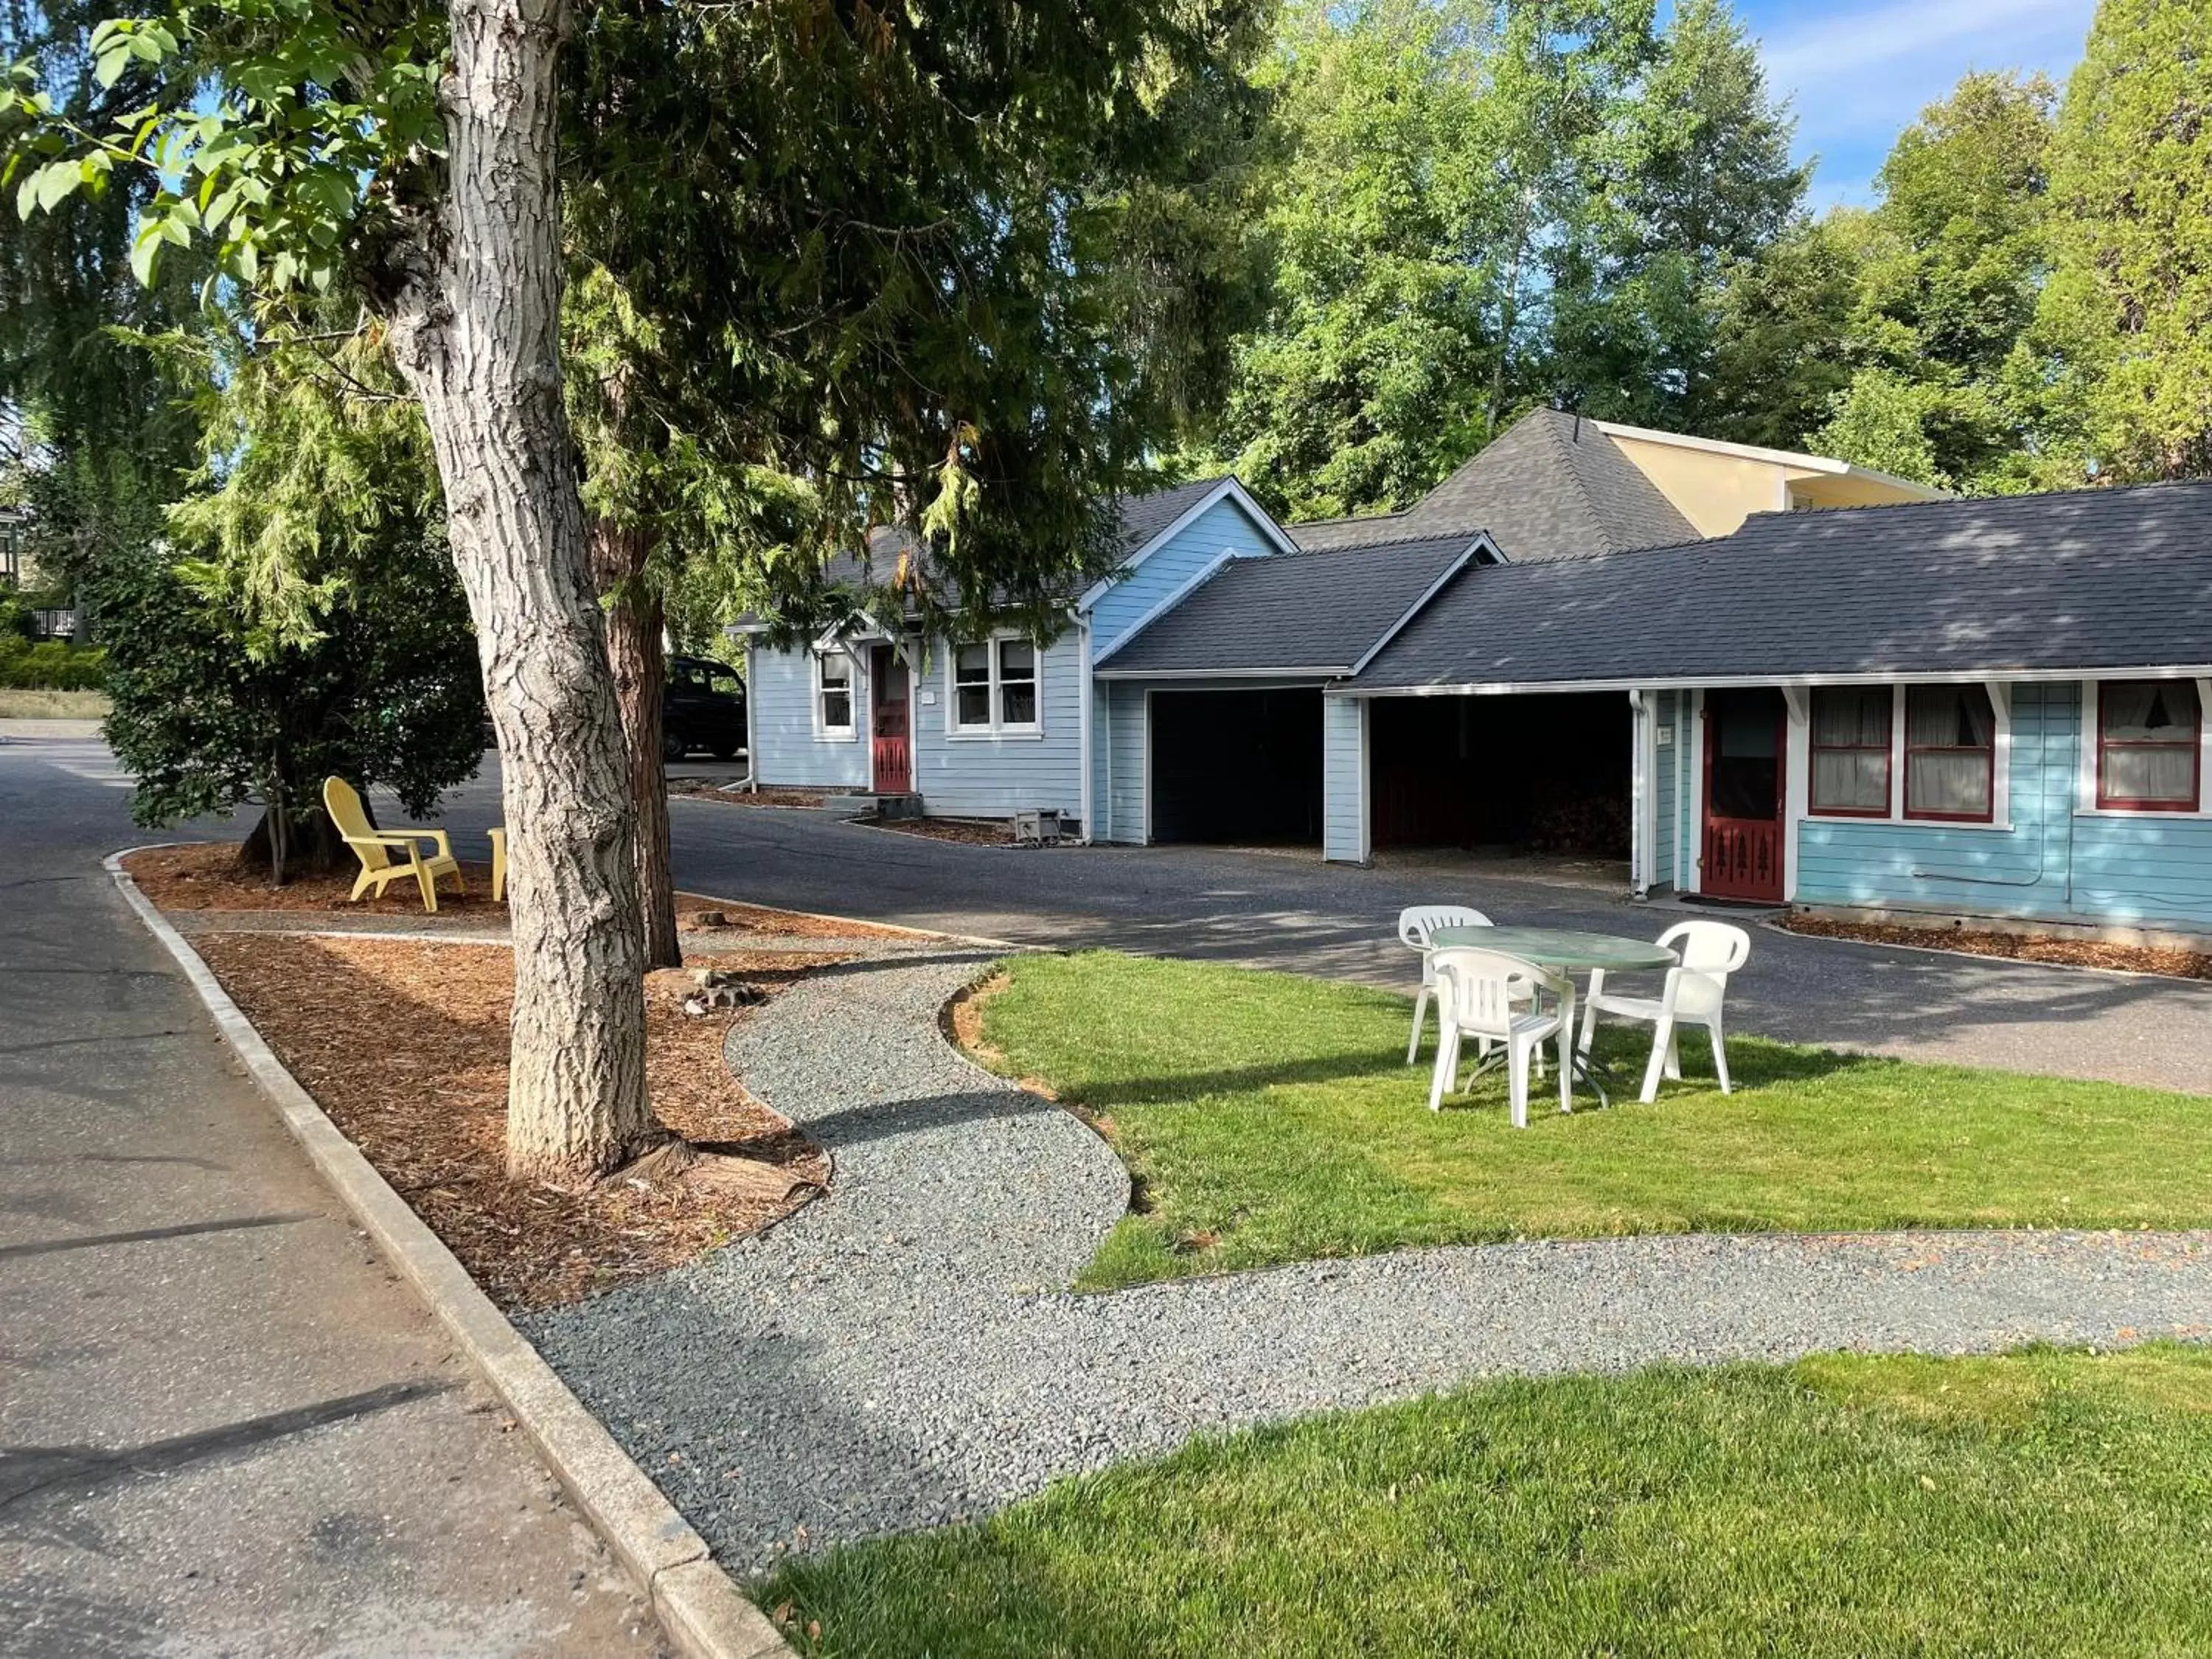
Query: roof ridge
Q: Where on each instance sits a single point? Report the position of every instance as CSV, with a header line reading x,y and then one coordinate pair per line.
x,y
1603,535
1986,501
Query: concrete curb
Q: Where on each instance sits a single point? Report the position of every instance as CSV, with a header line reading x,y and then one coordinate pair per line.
x,y
699,1605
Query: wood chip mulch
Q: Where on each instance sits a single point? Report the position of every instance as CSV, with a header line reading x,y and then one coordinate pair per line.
x,y
767,795
2066,953
403,1043
972,832
208,877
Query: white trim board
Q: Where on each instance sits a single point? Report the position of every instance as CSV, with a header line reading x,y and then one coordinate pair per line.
x,y
1228,488
1730,682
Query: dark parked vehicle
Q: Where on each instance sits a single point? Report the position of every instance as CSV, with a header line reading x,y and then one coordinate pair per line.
x,y
704,708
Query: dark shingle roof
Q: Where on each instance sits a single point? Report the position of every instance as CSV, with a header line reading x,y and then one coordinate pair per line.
x,y
1316,535
1290,611
1145,516
1552,486
2094,579
1140,517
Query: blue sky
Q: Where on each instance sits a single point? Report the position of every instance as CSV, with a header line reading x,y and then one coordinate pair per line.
x,y
1858,73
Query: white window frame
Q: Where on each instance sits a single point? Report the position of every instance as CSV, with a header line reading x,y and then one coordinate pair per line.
x,y
998,726
2084,800
2000,767
823,731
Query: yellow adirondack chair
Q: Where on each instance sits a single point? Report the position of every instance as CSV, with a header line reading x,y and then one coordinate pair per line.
x,y
499,864
374,848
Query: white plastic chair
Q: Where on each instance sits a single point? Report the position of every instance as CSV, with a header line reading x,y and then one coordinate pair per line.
x,y
1709,952
1415,923
1487,994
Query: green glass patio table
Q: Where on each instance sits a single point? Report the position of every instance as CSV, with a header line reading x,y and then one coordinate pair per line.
x,y
1568,950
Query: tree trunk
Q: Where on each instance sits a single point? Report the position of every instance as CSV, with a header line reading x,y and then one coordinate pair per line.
x,y
636,654
475,331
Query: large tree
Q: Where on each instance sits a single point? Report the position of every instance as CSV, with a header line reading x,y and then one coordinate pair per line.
x,y
413,159
1949,264
1482,204
2125,322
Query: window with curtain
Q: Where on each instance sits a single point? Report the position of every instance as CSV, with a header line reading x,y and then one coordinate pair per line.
x,y
1017,683
1850,750
1950,753
833,680
2147,746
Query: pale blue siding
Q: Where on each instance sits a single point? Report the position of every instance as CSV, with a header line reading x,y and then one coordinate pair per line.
x,y
1224,527
1125,751
2055,861
786,750
1343,779
974,775
1668,715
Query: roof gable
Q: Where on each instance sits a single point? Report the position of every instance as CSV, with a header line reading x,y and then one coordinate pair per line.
x,y
1551,486
1304,613
2097,580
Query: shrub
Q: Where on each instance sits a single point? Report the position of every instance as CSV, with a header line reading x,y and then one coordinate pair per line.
x,y
49,665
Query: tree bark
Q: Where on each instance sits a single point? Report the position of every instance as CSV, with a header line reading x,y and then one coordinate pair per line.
x,y
639,663
475,331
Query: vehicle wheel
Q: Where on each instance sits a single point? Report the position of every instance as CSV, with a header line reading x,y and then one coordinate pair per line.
x,y
673,747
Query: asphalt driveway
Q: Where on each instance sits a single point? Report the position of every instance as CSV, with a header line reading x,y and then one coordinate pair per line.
x,y
226,1427
1290,911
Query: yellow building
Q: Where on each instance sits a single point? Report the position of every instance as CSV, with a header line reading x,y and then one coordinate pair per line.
x,y
1717,486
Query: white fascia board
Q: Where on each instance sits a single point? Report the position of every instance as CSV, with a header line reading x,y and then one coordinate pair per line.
x,y
1467,556
1723,682
1229,488
1198,578
1289,675
1823,463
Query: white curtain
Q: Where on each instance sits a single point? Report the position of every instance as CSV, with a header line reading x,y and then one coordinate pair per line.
x,y
1949,738
2150,739
1850,749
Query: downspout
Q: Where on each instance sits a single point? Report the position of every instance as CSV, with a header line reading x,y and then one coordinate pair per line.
x,y
1085,691
1639,797
750,782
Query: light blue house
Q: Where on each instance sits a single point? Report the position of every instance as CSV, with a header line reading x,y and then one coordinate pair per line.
x,y
1000,723
1988,709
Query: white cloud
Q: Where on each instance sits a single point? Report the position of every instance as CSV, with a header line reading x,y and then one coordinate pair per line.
x,y
1913,31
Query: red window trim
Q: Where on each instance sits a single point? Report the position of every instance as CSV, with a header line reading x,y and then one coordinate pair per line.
x,y
2195,745
1815,749
1988,814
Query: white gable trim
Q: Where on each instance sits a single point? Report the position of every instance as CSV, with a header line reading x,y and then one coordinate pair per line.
x,y
1480,544
1227,490
1198,578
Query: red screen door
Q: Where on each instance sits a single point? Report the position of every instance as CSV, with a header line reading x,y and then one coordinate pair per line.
x,y
894,747
1744,795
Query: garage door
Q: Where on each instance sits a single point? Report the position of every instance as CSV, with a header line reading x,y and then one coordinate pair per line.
x,y
1236,768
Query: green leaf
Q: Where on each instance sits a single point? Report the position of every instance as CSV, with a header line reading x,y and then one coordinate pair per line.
x,y
145,252
53,182
108,68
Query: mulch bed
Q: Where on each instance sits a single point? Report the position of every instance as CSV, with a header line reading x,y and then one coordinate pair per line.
x,y
208,877
404,1042
2066,953
768,795
972,832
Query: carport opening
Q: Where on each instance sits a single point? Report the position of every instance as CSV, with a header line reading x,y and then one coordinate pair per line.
x,y
1237,769
1503,774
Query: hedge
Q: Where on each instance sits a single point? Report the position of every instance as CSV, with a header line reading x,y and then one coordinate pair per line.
x,y
49,665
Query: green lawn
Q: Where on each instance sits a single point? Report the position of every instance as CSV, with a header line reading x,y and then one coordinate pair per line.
x,y
1272,1118
2039,1504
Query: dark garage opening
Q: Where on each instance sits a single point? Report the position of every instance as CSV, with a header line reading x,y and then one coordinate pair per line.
x,y
1535,774
1236,768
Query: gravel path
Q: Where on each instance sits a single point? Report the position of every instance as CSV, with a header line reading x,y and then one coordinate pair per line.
x,y
901,1353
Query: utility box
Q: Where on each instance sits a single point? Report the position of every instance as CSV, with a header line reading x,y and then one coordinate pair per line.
x,y
1038,828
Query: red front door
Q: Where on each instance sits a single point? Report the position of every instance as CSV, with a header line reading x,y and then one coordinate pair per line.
x,y
887,724
1744,795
